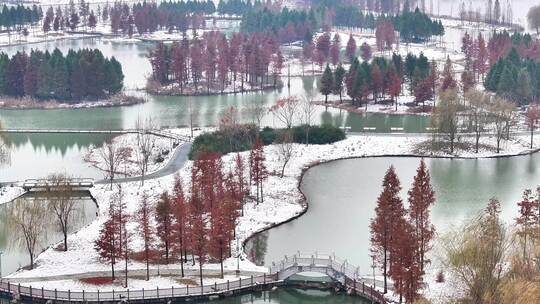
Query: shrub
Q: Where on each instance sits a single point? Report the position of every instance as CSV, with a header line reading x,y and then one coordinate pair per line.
x,y
241,138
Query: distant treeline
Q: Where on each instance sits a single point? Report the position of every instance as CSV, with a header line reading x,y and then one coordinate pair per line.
x,y
83,74
19,15
292,25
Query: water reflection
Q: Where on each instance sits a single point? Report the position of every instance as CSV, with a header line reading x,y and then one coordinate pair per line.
x,y
15,251
38,155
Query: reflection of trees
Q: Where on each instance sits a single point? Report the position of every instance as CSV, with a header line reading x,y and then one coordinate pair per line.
x,y
256,248
56,142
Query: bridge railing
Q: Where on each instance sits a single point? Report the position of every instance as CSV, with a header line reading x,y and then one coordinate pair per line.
x,y
157,293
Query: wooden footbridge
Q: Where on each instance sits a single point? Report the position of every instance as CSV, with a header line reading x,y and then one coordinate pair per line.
x,y
338,270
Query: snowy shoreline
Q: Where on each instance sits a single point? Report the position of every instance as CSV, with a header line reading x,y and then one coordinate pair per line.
x,y
284,200
34,104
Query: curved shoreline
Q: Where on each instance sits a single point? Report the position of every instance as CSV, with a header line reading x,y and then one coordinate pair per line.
x,y
303,201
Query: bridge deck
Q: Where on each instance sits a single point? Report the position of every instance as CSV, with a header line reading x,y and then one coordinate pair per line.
x,y
279,273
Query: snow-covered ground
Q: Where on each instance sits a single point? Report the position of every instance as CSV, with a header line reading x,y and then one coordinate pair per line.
x,y
162,151
282,201
9,193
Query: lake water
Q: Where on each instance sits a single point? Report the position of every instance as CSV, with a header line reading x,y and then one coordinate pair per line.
x,y
342,197
14,253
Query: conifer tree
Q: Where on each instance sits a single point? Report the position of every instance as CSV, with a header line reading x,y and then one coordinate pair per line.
x,y
326,83
384,226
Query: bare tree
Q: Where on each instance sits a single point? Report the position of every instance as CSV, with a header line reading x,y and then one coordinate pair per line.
x,y
445,117
308,110
145,143
286,149
61,203
257,111
30,218
285,110
113,155
478,113
502,112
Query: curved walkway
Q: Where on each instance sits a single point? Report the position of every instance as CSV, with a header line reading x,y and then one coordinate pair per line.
x,y
174,164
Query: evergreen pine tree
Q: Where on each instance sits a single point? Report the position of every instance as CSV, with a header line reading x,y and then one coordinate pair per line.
x,y
326,83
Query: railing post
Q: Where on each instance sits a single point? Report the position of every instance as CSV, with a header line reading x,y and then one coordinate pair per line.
x,y
215,286
9,287
227,285
363,287
69,295
30,291
113,294
83,297
240,279
42,293
19,288
98,295
172,291
143,293
187,290
251,280
128,294
157,291
55,294
264,278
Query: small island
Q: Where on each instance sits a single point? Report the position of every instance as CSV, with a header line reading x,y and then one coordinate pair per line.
x,y
80,78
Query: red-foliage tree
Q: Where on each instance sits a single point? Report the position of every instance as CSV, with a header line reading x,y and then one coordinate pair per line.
x,y
243,188
107,243
164,221
322,49
421,198
198,232
259,172
385,35
218,243
365,51
180,227
350,49
335,49
404,267
383,227
146,230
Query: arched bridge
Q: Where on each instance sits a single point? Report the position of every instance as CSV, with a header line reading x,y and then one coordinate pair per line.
x,y
279,273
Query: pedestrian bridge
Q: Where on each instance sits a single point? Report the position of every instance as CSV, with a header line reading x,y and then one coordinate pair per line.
x,y
279,273
69,184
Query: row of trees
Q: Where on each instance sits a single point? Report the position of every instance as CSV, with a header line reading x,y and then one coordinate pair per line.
x,y
17,16
216,62
82,74
200,222
383,77
292,25
400,238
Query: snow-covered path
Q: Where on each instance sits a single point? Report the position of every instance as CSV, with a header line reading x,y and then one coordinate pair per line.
x,y
177,161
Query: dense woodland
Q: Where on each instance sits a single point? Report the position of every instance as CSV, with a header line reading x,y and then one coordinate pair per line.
x,y
214,62
83,74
